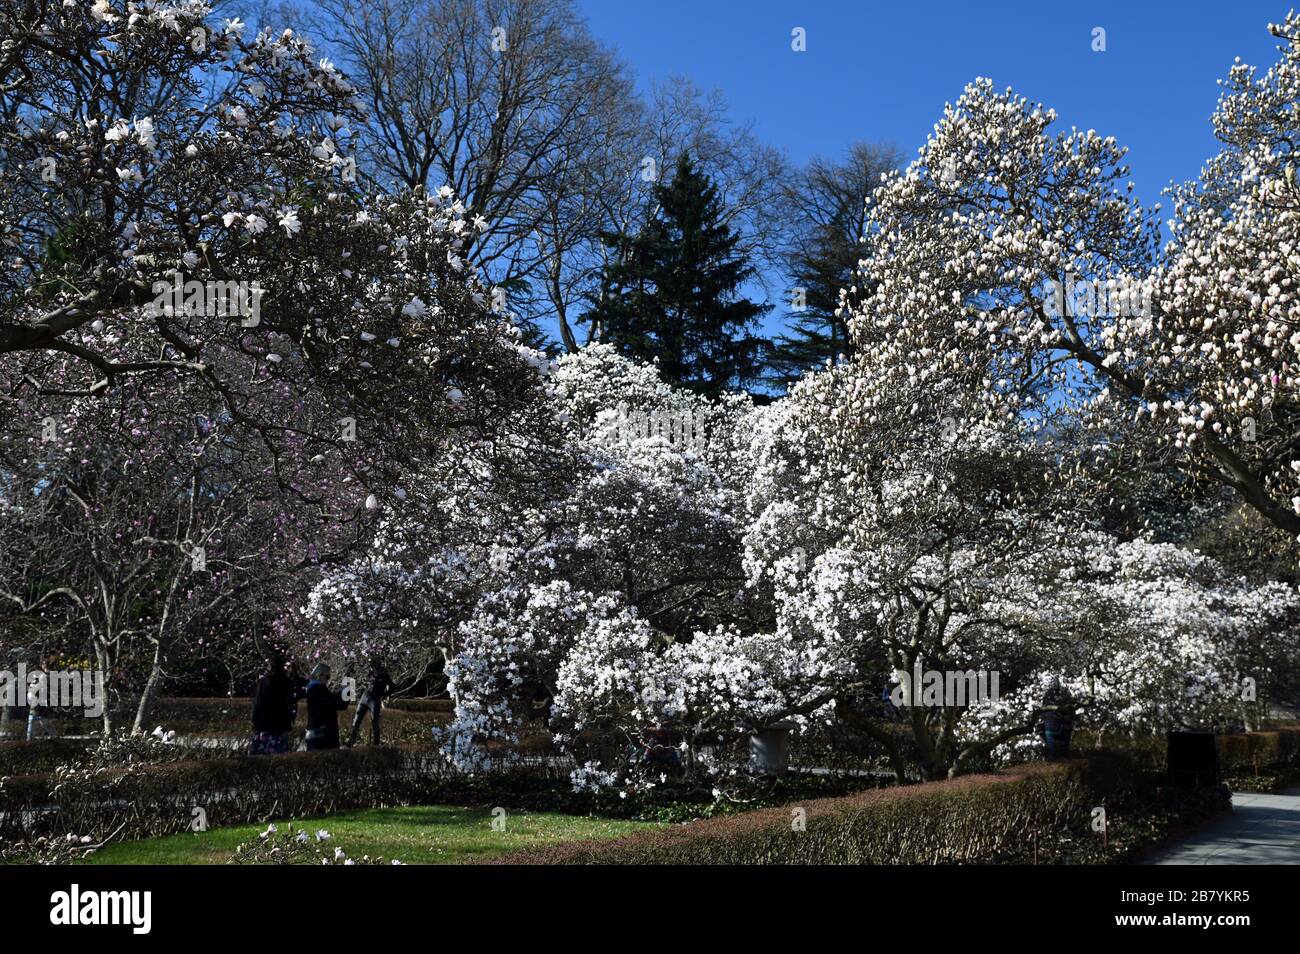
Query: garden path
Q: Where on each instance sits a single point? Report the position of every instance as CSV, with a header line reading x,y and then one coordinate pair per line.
x,y
1263,829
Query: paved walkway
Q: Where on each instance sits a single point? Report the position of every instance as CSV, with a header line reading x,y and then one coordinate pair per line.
x,y
1262,830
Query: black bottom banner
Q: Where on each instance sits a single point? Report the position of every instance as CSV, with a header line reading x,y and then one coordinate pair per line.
x,y
141,904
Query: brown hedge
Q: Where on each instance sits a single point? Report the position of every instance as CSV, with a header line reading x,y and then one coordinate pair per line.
x,y
972,819
445,706
155,800
1269,747
408,723
20,757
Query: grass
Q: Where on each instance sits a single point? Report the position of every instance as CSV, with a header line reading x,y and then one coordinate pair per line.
x,y
432,834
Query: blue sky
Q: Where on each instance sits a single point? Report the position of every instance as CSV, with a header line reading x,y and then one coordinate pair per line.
x,y
882,72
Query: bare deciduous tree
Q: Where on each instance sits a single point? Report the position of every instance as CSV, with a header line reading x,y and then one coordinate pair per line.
x,y
828,202
539,129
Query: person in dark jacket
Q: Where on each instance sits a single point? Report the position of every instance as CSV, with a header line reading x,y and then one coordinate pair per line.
x,y
299,684
274,703
323,708
372,700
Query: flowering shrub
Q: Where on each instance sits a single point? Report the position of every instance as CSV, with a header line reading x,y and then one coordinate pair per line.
x,y
47,849
625,544
877,528
289,847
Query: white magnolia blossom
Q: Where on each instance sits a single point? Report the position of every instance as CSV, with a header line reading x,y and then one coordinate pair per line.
x,y
784,569
623,563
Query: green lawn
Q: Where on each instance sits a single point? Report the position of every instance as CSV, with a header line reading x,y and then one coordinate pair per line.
x,y
435,834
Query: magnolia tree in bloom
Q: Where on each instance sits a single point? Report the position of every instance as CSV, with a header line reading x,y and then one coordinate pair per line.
x,y
979,245
453,533
620,541
1152,637
179,197
1015,257
892,526
902,533
143,520
201,300
1213,373
1182,642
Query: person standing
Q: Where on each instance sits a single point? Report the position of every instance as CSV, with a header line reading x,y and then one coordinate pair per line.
x,y
372,701
323,708
298,683
273,710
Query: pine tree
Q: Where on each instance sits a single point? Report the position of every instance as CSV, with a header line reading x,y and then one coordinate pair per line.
x,y
673,294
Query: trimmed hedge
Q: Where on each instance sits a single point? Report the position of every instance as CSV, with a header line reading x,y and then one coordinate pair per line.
x,y
46,755
1262,761
232,717
971,819
1267,747
446,706
20,757
405,720
152,800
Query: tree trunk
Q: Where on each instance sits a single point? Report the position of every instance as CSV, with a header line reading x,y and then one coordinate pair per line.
x,y
887,742
101,657
142,710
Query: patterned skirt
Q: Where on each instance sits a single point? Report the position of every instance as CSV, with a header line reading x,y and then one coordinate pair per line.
x,y
269,743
